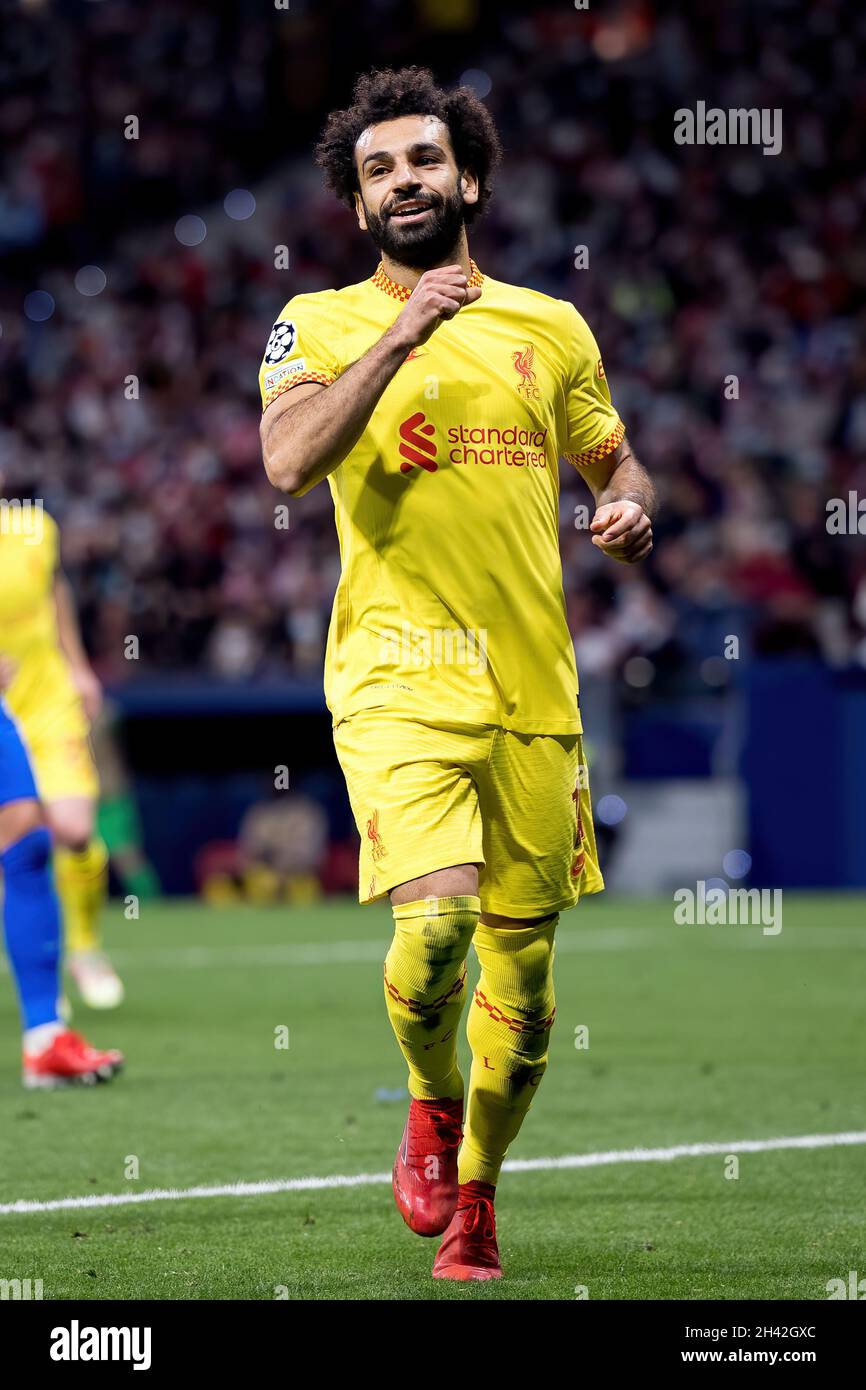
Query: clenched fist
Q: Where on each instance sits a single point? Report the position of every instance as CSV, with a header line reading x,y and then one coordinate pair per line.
x,y
438,295
623,531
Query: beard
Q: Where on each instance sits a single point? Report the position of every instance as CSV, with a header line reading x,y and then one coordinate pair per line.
x,y
423,246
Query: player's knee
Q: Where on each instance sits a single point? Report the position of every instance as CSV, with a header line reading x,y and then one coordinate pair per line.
x,y
17,819
429,948
522,976
71,826
537,1005
433,963
531,1044
29,853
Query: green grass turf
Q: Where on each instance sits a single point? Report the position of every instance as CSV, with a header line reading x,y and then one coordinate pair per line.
x,y
710,1034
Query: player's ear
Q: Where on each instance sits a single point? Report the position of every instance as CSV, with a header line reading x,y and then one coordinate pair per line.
x,y
469,186
360,213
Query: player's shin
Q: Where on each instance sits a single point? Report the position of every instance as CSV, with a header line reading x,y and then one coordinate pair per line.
x,y
425,989
82,884
32,927
508,1030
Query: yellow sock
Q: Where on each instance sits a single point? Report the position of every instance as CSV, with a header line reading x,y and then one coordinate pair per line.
x,y
508,1030
82,885
425,989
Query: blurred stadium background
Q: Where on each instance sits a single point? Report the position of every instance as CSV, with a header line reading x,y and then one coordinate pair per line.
x,y
156,258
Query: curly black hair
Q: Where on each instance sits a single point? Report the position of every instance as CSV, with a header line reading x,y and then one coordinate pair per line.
x,y
385,93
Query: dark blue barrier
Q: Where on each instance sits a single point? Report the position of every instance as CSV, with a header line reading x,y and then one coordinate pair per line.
x,y
156,697
201,753
804,761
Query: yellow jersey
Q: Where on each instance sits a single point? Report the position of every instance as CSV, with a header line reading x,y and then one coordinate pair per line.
x,y
29,557
450,601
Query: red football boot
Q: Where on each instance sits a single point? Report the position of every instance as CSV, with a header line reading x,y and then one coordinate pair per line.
x,y
469,1249
425,1169
69,1060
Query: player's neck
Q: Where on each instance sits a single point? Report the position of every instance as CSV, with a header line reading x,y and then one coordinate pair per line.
x,y
408,276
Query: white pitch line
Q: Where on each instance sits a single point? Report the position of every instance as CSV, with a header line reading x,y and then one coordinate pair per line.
x,y
519,1165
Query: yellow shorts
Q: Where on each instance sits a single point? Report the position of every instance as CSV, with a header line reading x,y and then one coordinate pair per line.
x,y
58,745
428,796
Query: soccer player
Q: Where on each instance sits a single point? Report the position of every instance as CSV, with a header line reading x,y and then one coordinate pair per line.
x,y
52,692
53,1055
437,402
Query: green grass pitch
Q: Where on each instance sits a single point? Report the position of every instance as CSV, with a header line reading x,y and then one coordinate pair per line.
x,y
696,1035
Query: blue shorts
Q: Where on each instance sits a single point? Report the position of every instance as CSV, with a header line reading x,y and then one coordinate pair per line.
x,y
16,779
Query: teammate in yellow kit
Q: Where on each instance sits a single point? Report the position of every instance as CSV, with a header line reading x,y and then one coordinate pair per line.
x,y
438,401
53,694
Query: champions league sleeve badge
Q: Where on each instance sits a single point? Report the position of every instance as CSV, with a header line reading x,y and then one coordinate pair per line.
x,y
280,343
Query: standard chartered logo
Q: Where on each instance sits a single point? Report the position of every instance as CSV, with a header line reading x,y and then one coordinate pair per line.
x,y
438,646
511,446
514,446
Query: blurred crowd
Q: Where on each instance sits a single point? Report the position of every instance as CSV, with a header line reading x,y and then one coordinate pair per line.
x,y
726,288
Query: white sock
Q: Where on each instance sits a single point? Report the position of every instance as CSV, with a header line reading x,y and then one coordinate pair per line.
x,y
37,1039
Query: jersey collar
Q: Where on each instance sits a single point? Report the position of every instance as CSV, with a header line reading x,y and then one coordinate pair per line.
x,y
382,281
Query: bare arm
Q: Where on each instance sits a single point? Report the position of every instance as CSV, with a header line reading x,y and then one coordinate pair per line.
x,y
307,433
72,647
625,506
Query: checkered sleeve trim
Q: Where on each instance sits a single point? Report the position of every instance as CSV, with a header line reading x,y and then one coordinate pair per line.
x,y
599,451
298,379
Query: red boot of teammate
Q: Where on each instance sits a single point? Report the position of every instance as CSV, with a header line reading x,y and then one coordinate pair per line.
x,y
69,1060
425,1169
469,1249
